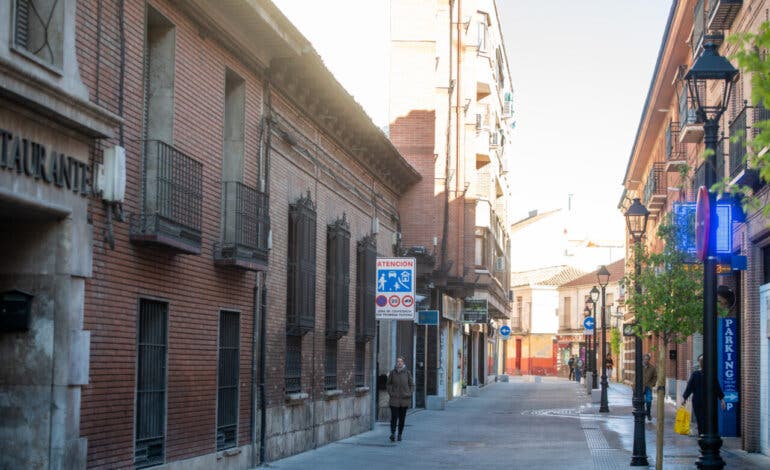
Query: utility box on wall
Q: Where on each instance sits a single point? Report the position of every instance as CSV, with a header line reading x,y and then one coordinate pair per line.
x,y
15,311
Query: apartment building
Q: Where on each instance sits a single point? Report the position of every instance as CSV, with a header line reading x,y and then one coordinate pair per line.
x,y
197,208
669,137
451,115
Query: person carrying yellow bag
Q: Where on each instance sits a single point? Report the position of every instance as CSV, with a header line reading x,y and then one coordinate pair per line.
x,y
682,422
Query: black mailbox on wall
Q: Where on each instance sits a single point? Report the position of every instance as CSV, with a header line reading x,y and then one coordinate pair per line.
x,y
15,310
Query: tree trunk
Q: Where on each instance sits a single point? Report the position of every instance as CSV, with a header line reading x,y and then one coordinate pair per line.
x,y
661,406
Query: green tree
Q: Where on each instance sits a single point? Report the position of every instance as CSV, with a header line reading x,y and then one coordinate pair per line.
x,y
752,60
670,304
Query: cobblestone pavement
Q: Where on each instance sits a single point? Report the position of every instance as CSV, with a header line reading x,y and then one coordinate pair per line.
x,y
529,422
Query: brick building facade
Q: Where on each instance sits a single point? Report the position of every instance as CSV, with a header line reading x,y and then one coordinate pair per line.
x,y
664,143
227,308
451,117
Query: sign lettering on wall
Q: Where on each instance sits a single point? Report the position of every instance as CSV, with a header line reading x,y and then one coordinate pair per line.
x,y
727,367
475,311
34,160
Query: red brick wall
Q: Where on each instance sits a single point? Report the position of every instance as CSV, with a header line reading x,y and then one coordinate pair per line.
x,y
194,288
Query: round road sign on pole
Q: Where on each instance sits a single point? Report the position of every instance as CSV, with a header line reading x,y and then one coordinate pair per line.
x,y
505,331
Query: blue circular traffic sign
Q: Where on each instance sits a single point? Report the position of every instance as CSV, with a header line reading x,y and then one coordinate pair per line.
x,y
588,323
505,330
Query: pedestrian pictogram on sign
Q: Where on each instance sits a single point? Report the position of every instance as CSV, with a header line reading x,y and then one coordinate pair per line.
x,y
395,298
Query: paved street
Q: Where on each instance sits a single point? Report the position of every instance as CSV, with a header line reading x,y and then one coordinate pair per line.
x,y
526,423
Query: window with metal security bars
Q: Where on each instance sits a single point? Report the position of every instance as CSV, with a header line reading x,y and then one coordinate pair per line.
x,y
360,364
337,278
366,260
330,365
38,30
293,365
150,413
300,300
227,380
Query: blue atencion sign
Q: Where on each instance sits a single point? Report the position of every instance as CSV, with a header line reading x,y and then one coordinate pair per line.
x,y
727,374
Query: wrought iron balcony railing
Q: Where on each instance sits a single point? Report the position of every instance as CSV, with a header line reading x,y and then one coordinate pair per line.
x,y
245,227
722,13
172,200
738,152
676,153
655,188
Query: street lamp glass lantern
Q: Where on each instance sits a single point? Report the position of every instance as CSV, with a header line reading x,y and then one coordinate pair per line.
x,y
603,275
713,67
636,219
594,294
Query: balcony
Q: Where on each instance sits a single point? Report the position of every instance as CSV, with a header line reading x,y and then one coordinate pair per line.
x,y
172,200
245,228
690,130
702,30
740,168
654,196
676,153
723,13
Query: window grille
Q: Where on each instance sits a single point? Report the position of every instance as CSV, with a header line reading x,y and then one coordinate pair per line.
x,y
360,364
150,418
365,288
300,302
293,369
337,278
227,380
38,29
330,365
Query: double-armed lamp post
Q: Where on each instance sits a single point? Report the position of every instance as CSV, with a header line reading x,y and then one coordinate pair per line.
x,y
594,300
603,276
636,220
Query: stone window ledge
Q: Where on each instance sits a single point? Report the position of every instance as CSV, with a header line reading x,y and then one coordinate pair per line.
x,y
228,453
362,390
332,394
296,398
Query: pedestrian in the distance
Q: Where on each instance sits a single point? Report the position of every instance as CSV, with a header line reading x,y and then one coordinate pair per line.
x,y
400,388
571,364
695,388
650,376
609,364
578,368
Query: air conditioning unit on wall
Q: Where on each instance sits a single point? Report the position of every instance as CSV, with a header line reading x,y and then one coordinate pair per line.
x,y
110,178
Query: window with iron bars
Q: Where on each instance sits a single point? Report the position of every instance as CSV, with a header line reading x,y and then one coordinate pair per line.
x,y
151,383
293,367
337,278
330,365
227,380
38,30
360,364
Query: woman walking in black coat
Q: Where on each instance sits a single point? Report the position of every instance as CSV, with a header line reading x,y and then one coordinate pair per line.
x,y
695,388
400,388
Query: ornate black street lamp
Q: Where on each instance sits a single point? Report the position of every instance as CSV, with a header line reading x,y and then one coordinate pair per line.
x,y
710,69
604,278
636,220
594,300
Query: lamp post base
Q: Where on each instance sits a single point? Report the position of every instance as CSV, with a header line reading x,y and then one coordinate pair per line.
x,y
709,449
639,458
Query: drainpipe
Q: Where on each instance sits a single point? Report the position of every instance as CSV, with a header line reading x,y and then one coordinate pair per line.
x,y
262,373
254,346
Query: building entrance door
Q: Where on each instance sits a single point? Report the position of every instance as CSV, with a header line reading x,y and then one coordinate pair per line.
x,y
764,383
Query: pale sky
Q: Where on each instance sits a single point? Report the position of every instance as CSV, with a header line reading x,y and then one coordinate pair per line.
x,y
580,69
